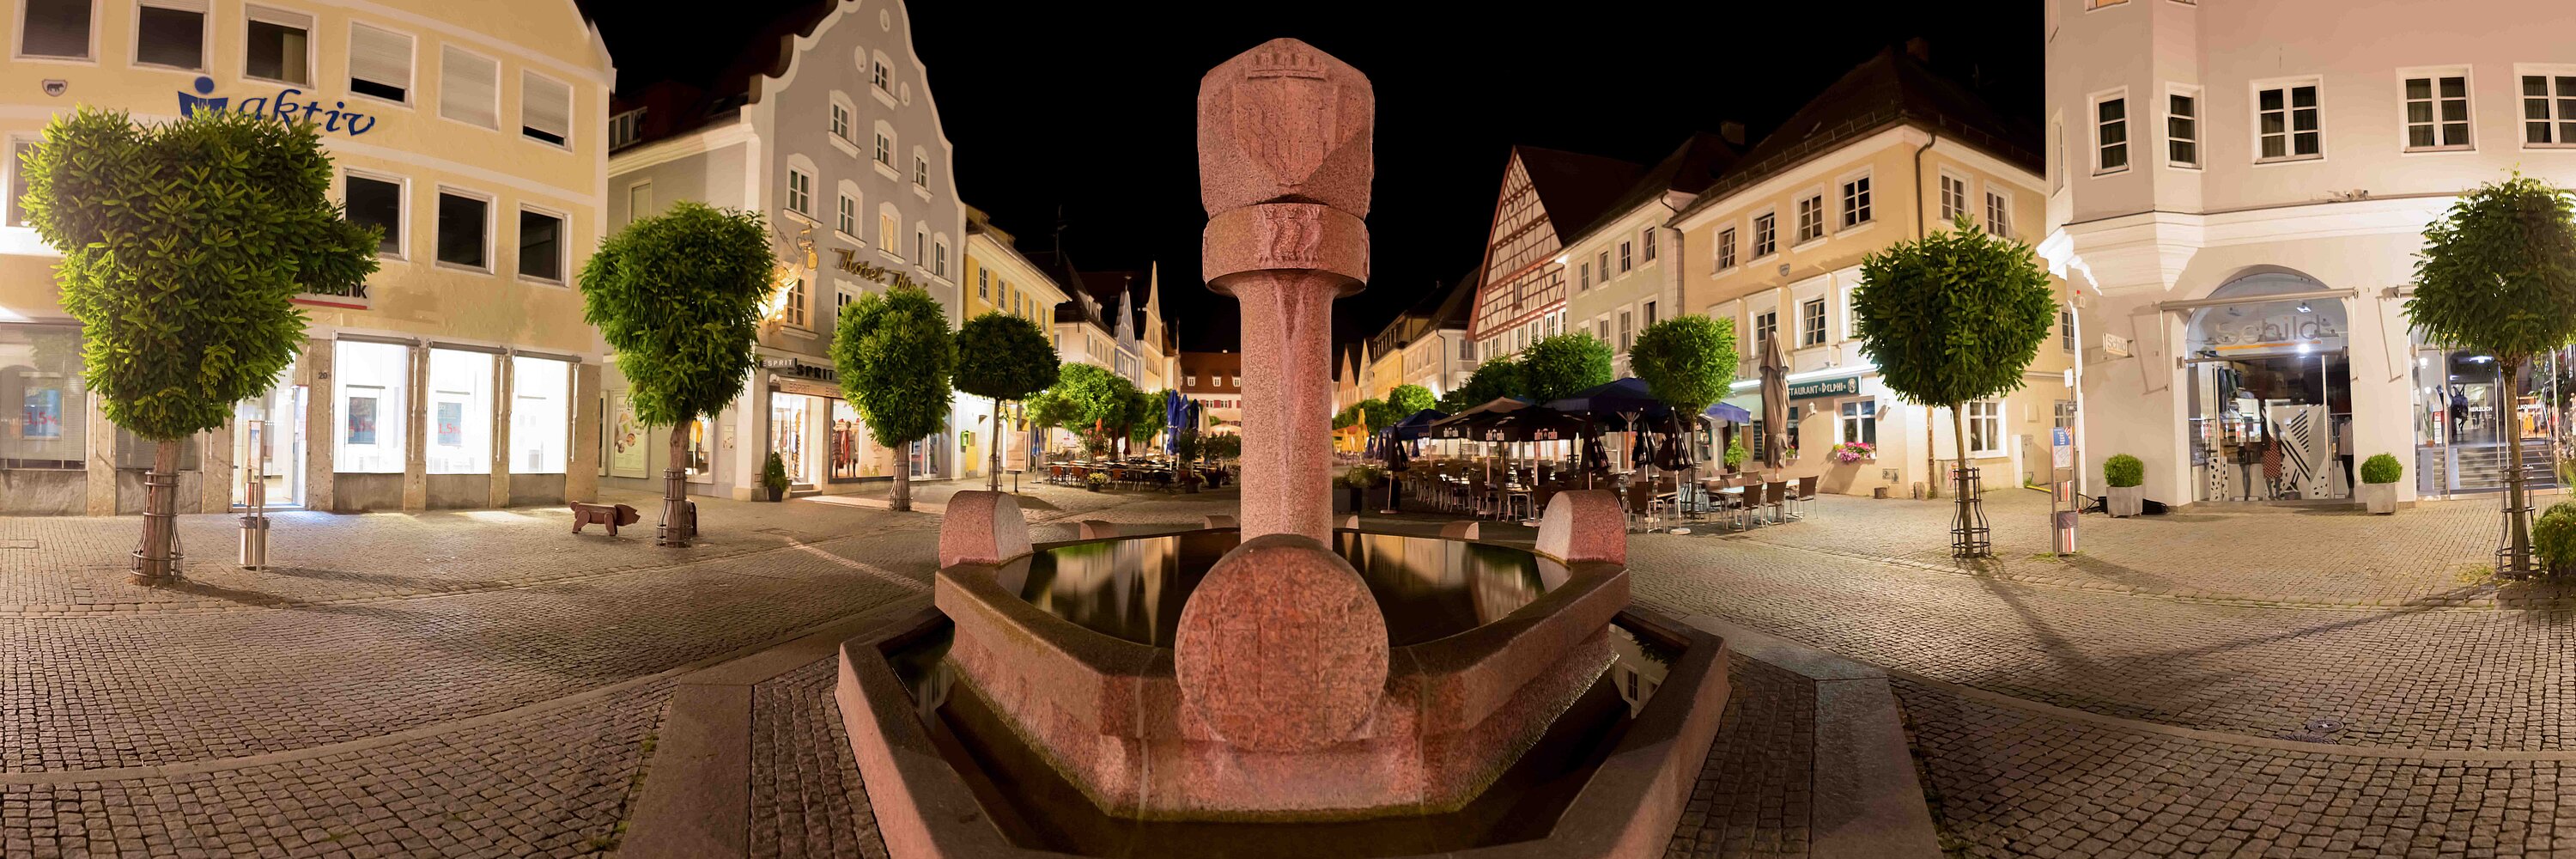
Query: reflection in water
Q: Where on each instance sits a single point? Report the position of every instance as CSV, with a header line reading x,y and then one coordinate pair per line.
x,y
1134,588
1640,669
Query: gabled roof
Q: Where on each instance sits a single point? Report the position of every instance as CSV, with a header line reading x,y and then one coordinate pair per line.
x,y
1691,168
1892,88
1575,188
718,83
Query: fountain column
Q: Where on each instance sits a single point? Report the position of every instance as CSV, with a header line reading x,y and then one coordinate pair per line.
x,y
1284,170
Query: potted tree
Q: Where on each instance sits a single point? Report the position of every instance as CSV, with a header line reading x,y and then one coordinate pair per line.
x,y
2379,476
773,478
2125,474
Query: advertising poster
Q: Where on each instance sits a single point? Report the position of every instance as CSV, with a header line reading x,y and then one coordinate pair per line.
x,y
625,439
451,424
362,418
43,416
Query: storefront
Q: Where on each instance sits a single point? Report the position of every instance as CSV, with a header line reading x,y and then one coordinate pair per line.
x,y
2269,405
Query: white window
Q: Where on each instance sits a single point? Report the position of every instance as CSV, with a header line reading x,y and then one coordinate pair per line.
x,y
469,89
278,45
846,219
2549,110
1985,428
1811,218
545,109
800,191
1604,258
541,246
1626,336
2182,128
984,283
920,172
2066,328
2286,124
1649,239
939,258
885,149
2110,134
624,128
920,246
540,415
1766,325
1811,323
1625,262
841,122
377,202
1726,249
1860,421
1855,202
1601,329
1998,213
639,201
464,230
2437,112
793,311
59,29
881,76
460,412
370,384
1766,235
1583,279
170,33
379,63
1954,198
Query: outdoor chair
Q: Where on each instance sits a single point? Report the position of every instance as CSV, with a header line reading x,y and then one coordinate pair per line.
x,y
1775,498
1806,495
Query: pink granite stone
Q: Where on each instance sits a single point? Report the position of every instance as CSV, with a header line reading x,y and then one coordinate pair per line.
x,y
1281,648
1461,530
1286,120
982,528
1216,520
1585,525
1095,529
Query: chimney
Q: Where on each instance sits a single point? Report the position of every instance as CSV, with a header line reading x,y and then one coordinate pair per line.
x,y
1732,133
1919,49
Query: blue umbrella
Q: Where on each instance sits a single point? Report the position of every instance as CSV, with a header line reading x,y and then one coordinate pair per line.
x,y
1730,414
1171,417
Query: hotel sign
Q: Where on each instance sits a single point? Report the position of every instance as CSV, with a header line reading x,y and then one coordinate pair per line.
x,y
851,263
1842,387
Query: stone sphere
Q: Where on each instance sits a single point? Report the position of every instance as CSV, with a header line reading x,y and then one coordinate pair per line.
x,y
1281,647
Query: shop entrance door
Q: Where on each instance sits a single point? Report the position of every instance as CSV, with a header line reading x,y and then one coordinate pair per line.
x,y
2271,428
275,454
2460,424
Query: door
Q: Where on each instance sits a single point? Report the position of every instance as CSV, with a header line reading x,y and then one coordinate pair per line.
x,y
269,445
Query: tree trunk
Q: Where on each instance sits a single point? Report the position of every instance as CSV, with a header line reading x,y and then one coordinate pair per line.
x,y
159,563
1932,453
902,500
677,528
993,475
1966,499
2517,523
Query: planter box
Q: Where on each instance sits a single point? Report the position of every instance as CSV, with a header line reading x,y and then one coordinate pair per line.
x,y
2126,501
2381,497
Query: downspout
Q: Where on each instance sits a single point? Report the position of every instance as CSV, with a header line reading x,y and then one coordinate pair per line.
x,y
1931,439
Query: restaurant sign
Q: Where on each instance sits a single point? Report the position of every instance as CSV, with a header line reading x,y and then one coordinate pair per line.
x,y
1843,387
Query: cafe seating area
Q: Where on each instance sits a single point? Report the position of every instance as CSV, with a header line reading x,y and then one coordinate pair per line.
x,y
1138,474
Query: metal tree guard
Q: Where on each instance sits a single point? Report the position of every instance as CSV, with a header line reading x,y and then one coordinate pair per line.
x,y
1969,536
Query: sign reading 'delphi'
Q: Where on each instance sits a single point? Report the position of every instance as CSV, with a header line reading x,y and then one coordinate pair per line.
x,y
1824,388
281,107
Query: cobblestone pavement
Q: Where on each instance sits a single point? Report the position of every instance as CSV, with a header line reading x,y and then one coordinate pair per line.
x,y
806,797
1754,796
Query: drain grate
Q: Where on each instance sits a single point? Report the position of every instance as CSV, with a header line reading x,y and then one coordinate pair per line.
x,y
2323,725
2318,730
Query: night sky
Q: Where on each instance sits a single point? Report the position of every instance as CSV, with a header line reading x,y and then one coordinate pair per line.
x,y
1089,107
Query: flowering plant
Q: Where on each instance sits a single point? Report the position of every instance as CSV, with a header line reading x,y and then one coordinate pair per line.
x,y
1855,451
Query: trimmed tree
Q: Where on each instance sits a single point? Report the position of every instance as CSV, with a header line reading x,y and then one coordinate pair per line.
x,y
1144,417
1492,380
1407,399
895,358
1002,357
184,244
1689,363
679,297
2498,275
1560,366
1949,318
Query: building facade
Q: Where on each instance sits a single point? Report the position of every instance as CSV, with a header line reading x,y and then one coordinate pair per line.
x,y
1215,381
461,375
2240,198
1546,196
1000,280
834,138
1885,155
1623,281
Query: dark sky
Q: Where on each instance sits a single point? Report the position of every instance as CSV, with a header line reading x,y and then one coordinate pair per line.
x,y
1090,106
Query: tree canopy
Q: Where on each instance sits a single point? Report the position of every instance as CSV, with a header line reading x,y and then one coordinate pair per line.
x,y
1372,415
679,296
1686,361
895,360
1407,399
1560,366
1954,316
1144,416
184,244
1003,357
1491,380
1084,396
2498,271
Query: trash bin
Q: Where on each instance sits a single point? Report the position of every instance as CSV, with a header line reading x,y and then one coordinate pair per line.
x,y
254,542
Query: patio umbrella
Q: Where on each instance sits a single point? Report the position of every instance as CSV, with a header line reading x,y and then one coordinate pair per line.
x,y
1464,424
1175,411
1775,404
1416,425
1611,399
1730,413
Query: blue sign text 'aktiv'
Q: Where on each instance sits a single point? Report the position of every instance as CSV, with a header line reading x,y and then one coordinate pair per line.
x,y
281,107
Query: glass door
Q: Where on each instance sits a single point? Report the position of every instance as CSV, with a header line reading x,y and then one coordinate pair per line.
x,y
271,453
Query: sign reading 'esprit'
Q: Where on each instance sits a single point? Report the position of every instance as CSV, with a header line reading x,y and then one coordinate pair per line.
x,y
281,107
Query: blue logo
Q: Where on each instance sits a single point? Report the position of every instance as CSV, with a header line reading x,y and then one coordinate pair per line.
x,y
281,107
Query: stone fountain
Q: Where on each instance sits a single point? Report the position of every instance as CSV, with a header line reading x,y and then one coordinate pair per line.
x,y
1253,691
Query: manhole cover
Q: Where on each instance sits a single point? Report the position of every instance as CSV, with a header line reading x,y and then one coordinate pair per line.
x,y
2324,726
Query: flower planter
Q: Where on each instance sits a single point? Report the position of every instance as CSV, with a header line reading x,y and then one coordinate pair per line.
x,y
2380,497
2126,501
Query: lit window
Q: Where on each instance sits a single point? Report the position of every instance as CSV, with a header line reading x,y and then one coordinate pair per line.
x,y
460,412
2437,113
379,63
55,28
1860,421
464,230
545,109
2111,135
886,232
794,312
540,415
2182,129
540,246
2286,123
370,382
469,87
1766,235
377,203
1811,323
170,33
2549,110
1811,219
1726,249
279,45
1856,202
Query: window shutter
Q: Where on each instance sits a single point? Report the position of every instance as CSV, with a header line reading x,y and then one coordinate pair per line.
x,y
380,57
468,87
197,6
280,17
545,106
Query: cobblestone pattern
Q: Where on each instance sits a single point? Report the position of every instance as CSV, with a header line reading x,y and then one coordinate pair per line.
x,y
2245,554
806,798
2015,783
551,784
2434,679
1754,797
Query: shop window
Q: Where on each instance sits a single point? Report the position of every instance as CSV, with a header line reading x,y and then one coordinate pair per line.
x,y
171,33
380,63
15,169
545,109
460,412
1985,428
370,386
279,46
55,28
373,202
45,424
540,415
540,246
464,230
469,87
1860,421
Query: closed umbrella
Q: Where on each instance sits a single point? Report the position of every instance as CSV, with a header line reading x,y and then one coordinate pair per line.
x,y
1775,404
